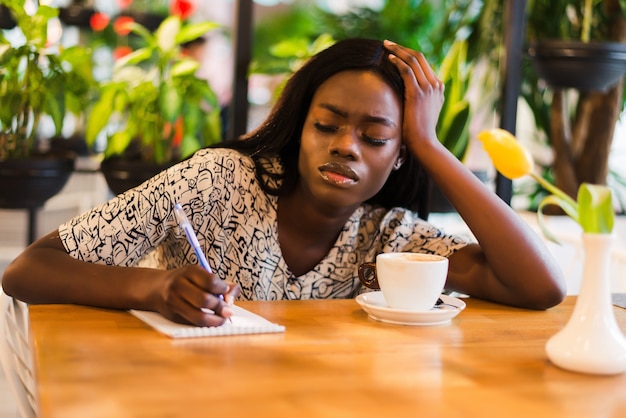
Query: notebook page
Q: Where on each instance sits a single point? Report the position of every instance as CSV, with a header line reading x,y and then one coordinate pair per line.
x,y
243,322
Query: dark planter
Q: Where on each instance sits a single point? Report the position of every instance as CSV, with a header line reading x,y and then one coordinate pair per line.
x,y
6,20
122,174
28,183
579,65
76,15
150,21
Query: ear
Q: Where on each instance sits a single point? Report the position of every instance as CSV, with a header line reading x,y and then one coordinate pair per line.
x,y
401,158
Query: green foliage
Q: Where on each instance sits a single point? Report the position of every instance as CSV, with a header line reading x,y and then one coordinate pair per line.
x,y
595,209
560,19
294,24
437,29
37,80
543,24
453,124
155,100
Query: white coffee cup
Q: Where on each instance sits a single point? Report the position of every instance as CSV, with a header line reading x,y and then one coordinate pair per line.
x,y
408,281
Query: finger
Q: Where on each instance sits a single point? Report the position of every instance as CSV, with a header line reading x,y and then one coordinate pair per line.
x,y
208,282
222,309
232,293
194,286
185,313
208,299
423,71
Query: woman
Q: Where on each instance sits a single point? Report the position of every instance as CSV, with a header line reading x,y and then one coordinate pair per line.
x,y
328,181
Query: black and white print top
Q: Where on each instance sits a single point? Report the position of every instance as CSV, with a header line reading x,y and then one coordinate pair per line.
x,y
235,222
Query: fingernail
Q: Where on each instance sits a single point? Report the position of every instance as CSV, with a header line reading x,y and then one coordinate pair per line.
x,y
388,42
226,312
229,299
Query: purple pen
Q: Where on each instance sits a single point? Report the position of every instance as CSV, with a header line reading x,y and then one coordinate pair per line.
x,y
184,223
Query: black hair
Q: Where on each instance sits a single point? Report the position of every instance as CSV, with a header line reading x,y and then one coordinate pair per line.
x,y
279,135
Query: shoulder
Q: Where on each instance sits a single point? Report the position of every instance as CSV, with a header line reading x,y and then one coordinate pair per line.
x,y
213,165
225,157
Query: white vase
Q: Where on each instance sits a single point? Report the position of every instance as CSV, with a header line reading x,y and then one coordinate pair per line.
x,y
591,341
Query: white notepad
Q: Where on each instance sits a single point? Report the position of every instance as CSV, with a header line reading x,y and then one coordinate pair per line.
x,y
243,322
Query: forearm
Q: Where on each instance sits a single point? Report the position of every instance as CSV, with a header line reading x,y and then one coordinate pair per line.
x,y
519,269
45,273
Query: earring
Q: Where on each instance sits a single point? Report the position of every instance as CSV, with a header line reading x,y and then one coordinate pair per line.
x,y
397,164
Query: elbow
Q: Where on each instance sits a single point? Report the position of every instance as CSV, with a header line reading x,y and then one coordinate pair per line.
x,y
15,281
8,282
551,293
548,299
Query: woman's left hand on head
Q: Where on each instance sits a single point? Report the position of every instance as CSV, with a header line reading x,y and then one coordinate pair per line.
x,y
423,94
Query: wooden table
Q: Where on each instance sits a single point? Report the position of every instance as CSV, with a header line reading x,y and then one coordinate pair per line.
x,y
332,361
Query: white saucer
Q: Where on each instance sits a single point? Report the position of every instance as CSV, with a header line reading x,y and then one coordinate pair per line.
x,y
374,304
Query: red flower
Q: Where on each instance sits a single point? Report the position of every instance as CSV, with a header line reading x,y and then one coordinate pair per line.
x,y
120,26
182,8
123,4
99,21
179,131
121,51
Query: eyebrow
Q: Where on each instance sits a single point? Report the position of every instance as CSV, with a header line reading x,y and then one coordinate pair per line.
x,y
370,118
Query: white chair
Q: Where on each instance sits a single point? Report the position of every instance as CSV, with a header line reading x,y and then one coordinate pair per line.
x,y
15,354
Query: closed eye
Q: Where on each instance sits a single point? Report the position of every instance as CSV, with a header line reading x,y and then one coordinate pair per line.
x,y
375,141
330,129
325,128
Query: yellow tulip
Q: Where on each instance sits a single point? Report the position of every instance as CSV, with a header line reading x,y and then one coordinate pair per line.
x,y
508,156
594,215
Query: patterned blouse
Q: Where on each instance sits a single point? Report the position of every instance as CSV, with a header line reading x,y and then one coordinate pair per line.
x,y
235,222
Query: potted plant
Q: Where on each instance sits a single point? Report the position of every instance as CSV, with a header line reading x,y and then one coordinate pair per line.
x,y
154,111
578,113
566,61
36,80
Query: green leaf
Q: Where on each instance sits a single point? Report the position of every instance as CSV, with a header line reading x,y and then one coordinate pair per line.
x,y
144,33
54,106
3,50
170,102
214,128
118,142
47,11
595,209
185,67
565,202
134,57
549,200
189,145
288,48
80,59
100,114
322,42
454,130
194,31
167,32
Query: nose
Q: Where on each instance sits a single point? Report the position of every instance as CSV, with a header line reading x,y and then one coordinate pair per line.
x,y
346,145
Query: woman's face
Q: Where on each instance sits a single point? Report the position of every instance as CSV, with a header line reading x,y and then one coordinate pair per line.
x,y
351,139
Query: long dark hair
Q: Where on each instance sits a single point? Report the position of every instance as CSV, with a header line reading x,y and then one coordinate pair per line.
x,y
279,135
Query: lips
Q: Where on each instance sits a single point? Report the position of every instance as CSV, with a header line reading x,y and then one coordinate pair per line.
x,y
338,173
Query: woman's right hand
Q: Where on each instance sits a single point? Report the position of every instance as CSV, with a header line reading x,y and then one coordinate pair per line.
x,y
192,295
424,96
